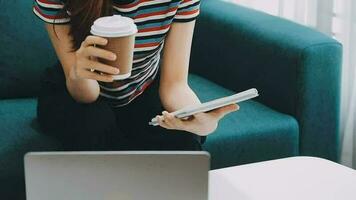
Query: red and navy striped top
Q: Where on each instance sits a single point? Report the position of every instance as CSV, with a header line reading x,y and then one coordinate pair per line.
x,y
153,19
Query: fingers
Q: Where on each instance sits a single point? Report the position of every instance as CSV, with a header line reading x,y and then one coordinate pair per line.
x,y
96,76
202,124
99,53
172,121
161,122
169,121
202,127
103,68
221,112
94,40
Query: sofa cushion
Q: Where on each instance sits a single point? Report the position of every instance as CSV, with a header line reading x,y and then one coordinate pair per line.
x,y
254,133
18,135
25,49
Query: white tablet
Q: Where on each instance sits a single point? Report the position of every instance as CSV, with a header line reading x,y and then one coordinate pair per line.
x,y
212,105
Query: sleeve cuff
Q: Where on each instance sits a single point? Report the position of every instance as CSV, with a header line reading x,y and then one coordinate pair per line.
x,y
50,12
187,11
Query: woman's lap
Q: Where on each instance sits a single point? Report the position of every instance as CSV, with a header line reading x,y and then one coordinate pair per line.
x,y
81,125
97,126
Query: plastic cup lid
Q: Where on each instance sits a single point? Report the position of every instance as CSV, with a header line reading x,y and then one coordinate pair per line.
x,y
113,26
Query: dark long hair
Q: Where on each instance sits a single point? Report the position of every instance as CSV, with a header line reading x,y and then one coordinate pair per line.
x,y
83,13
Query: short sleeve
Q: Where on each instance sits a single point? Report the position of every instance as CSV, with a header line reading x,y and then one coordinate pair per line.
x,y
188,10
51,11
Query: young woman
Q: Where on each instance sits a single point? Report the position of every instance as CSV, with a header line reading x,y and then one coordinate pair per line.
x,y
76,106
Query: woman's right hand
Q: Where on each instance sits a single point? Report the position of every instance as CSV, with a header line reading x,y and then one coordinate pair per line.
x,y
87,62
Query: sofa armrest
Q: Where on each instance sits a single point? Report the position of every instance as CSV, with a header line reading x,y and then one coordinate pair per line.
x,y
296,69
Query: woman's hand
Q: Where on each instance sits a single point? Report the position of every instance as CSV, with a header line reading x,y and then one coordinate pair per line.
x,y
87,62
201,124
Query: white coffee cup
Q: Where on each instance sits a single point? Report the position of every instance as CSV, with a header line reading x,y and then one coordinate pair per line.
x,y
120,32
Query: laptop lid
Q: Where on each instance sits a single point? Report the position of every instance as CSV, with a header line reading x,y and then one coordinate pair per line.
x,y
117,175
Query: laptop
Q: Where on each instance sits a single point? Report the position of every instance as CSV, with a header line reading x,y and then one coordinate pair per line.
x,y
141,175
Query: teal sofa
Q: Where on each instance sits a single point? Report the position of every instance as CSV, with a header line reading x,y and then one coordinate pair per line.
x,y
295,68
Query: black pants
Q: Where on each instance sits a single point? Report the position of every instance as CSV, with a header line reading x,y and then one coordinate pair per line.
x,y
97,126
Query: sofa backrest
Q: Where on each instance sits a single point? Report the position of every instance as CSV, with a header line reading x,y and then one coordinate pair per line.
x,y
25,49
244,48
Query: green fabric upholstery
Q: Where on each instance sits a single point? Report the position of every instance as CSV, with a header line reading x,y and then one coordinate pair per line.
x,y
295,68
25,50
252,134
255,133
19,134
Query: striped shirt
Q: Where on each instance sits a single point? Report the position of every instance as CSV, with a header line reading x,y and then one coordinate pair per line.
x,y
153,19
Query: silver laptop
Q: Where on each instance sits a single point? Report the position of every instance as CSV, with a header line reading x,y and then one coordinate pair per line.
x,y
117,175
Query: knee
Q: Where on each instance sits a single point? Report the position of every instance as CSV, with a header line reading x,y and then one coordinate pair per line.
x,y
75,119
96,118
181,140
191,142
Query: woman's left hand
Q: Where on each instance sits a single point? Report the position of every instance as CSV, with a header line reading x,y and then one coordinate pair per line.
x,y
201,124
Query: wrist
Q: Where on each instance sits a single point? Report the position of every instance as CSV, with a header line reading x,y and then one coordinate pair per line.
x,y
71,79
82,90
177,96
72,75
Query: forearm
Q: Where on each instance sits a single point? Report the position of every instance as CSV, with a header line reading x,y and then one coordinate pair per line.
x,y
82,90
177,96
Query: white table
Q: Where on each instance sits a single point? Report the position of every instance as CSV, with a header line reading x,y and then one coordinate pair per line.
x,y
297,178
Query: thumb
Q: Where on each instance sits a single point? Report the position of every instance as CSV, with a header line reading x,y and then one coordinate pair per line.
x,y
221,112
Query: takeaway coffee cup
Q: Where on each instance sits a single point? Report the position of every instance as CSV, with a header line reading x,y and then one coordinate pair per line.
x,y
120,32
